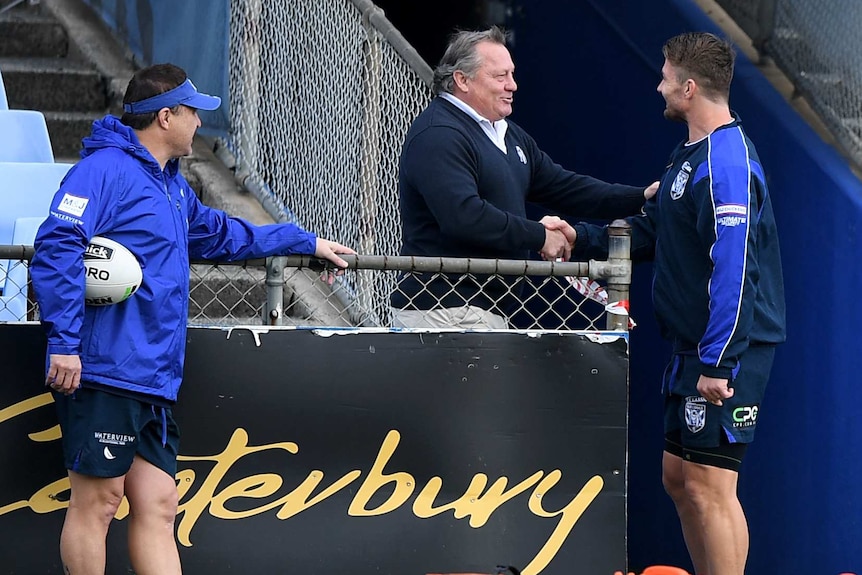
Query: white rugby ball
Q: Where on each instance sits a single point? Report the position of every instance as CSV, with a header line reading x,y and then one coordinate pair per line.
x,y
112,272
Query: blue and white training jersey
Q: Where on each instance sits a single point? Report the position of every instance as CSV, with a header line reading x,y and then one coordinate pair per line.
x,y
711,232
718,283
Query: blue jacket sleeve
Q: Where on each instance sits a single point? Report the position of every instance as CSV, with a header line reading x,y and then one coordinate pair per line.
x,y
213,235
57,268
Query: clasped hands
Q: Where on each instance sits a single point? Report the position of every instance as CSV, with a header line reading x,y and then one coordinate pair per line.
x,y
560,238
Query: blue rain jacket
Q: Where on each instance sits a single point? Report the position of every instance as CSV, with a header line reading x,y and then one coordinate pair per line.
x,y
119,191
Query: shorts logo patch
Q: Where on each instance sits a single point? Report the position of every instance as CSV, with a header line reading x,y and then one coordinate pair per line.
x,y
678,187
73,205
107,453
745,416
113,438
695,414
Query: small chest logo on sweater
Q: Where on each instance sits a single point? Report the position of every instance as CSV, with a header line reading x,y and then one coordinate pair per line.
x,y
521,154
678,187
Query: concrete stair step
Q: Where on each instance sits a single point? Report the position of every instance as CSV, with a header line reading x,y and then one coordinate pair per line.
x,y
27,31
47,84
66,130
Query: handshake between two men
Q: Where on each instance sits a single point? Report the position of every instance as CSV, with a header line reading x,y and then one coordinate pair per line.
x,y
560,236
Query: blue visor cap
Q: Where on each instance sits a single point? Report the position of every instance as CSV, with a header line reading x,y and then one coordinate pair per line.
x,y
185,94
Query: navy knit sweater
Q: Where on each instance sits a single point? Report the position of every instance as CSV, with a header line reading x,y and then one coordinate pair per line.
x,y
461,196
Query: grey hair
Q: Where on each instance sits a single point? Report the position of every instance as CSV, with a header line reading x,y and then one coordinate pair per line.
x,y
461,55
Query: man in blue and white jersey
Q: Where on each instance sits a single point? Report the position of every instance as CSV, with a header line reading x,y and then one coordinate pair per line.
x,y
718,293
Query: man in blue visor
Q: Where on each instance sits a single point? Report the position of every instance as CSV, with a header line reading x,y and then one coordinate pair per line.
x,y
115,370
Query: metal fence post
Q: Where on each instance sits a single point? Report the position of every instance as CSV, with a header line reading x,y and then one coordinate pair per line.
x,y
274,310
619,282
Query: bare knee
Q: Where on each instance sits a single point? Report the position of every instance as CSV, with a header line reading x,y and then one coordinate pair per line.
x,y
152,493
699,494
96,503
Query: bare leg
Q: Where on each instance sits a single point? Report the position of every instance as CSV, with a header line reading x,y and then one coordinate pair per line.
x,y
93,504
673,479
723,529
152,495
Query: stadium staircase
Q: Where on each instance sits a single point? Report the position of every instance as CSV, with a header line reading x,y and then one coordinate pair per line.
x,y
46,66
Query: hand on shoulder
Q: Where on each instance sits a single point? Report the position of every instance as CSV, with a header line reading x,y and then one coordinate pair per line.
x,y
650,190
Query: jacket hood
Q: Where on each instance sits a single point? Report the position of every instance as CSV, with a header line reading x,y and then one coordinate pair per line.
x,y
109,132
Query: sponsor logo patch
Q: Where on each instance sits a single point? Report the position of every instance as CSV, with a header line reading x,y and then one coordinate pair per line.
x,y
745,416
731,215
113,438
521,154
73,205
66,218
731,221
98,252
737,209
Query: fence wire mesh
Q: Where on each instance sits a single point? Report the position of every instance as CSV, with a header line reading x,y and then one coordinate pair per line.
x,y
241,293
320,104
818,45
322,94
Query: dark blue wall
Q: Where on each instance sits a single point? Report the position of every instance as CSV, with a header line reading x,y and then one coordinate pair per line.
x,y
192,34
587,72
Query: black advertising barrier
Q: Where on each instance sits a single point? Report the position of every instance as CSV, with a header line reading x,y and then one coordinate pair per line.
x,y
358,452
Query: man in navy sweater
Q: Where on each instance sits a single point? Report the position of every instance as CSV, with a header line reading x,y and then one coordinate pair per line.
x,y
466,174
718,293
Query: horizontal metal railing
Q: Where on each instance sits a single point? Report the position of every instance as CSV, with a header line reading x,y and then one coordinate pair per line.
x,y
303,290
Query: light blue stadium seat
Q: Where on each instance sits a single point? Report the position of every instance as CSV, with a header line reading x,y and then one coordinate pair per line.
x,y
26,191
4,103
24,137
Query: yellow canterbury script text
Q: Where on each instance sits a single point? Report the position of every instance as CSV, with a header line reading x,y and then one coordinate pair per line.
x,y
207,494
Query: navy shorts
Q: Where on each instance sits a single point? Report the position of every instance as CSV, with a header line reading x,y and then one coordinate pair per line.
x,y
702,424
102,433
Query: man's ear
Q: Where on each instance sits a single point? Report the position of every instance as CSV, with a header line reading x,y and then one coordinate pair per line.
x,y
460,80
163,117
690,88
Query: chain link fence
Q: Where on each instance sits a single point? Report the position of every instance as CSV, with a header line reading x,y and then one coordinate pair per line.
x,y
304,291
819,46
322,94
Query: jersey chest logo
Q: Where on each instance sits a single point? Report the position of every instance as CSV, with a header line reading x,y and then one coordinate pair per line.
x,y
678,187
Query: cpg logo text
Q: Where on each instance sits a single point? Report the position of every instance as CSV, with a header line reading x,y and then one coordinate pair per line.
x,y
745,416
